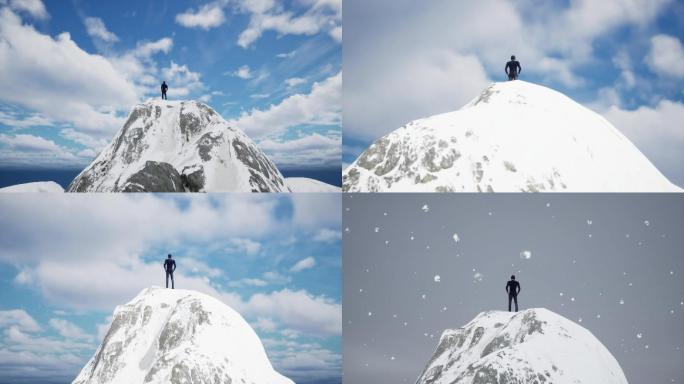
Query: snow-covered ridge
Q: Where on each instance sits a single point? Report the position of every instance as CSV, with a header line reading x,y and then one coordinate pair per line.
x,y
307,185
35,187
178,336
531,346
516,136
178,146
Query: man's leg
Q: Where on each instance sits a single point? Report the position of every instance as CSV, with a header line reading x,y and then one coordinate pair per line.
x,y
173,287
167,279
509,302
515,298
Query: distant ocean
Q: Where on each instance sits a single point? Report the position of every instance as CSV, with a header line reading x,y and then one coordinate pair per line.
x,y
64,176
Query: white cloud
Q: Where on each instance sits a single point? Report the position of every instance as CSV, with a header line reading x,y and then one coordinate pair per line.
x,y
97,29
246,245
299,310
69,330
146,49
265,324
24,149
305,263
265,16
35,8
314,150
206,17
294,81
322,106
666,56
249,282
18,318
88,87
657,131
286,55
243,72
11,119
327,235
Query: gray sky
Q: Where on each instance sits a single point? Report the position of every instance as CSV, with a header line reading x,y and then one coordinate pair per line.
x,y
633,250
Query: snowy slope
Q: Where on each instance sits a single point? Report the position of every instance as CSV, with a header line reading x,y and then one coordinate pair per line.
x,y
36,187
178,336
516,136
531,346
305,184
177,146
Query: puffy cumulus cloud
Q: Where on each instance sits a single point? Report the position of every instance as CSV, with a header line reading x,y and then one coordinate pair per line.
x,y
97,29
18,318
25,149
34,8
69,330
14,120
327,235
206,17
295,81
312,211
321,106
246,245
657,131
308,362
299,310
666,56
243,72
305,263
182,81
314,150
88,86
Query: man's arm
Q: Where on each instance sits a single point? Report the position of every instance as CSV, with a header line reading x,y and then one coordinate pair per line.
x,y
506,70
506,287
174,265
519,289
519,68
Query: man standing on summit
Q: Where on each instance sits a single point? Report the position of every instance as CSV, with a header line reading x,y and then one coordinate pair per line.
x,y
513,68
169,267
164,88
513,288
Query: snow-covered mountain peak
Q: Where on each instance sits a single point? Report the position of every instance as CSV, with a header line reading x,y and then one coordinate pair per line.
x,y
176,146
515,136
534,345
178,336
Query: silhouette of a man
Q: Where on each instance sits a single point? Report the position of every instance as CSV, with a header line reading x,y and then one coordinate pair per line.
x,y
169,267
164,88
513,288
513,68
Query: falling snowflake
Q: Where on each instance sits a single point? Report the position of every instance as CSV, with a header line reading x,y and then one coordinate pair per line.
x,y
425,208
360,290
370,313
579,320
489,213
386,242
525,255
647,223
392,358
384,214
572,299
377,229
561,294
646,346
477,277
423,296
548,205
589,222
621,301
456,238
671,273
346,229
437,279
598,316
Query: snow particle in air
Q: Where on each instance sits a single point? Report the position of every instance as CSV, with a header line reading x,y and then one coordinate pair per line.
x,y
370,313
589,222
525,255
647,223
456,238
561,294
548,205
622,301
477,277
437,279
423,296
346,229
425,208
392,358
572,299
377,229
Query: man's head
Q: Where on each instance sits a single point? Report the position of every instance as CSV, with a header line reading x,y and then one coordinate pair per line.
x,y
512,276
512,57
164,82
169,256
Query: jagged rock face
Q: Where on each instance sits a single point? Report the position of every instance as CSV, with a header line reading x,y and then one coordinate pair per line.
x,y
176,336
179,146
532,346
514,137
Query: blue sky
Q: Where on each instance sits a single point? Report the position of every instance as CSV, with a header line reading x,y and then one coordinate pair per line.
x,y
622,58
67,261
72,70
